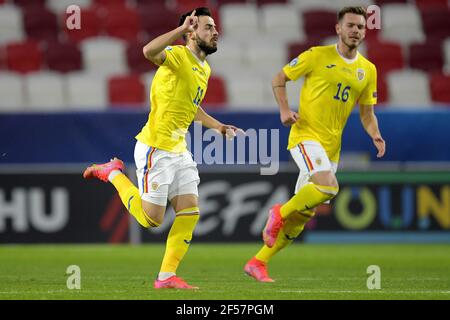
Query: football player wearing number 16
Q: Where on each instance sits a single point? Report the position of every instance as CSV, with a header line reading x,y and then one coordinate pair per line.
x,y
336,78
165,168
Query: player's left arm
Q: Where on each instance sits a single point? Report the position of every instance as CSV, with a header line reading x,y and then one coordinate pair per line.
x,y
370,124
225,129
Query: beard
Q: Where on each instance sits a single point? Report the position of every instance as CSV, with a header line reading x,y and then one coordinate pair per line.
x,y
205,47
351,45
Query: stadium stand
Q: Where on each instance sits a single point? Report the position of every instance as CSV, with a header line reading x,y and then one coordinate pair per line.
x,y
104,55
126,90
40,23
11,91
408,88
11,24
386,56
60,6
120,22
62,56
24,57
257,37
45,91
91,25
401,23
216,96
86,91
440,84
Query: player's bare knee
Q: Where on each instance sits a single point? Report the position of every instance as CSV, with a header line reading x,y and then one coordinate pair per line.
x,y
325,178
182,202
154,213
154,216
326,182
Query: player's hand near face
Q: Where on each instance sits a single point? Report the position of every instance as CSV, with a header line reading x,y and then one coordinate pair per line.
x,y
380,144
190,23
288,117
154,50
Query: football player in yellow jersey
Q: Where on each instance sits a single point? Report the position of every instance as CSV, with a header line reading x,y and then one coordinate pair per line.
x,y
336,78
165,168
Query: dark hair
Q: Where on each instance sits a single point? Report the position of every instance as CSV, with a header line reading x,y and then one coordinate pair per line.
x,y
356,10
202,11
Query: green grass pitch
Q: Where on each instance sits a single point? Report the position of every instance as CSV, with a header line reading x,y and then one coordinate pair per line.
x,y
303,271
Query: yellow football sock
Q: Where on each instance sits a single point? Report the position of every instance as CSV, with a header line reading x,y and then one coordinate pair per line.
x,y
292,228
131,199
179,238
308,197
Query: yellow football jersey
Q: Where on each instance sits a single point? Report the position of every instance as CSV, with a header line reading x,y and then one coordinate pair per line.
x,y
177,90
332,87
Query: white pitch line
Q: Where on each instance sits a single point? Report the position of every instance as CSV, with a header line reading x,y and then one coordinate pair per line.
x,y
81,291
384,291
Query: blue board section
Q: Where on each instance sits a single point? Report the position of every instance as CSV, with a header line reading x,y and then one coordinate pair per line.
x,y
95,137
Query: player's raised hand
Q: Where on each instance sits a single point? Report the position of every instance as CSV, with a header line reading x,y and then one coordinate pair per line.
x,y
288,118
190,23
380,145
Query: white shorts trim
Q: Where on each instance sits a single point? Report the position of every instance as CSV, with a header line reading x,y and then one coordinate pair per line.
x,y
310,158
162,175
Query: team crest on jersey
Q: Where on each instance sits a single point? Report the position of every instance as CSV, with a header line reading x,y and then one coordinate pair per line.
x,y
360,73
293,62
155,186
318,161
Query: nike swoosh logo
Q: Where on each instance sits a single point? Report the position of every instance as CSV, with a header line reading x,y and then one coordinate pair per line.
x,y
129,204
289,238
186,241
307,207
331,66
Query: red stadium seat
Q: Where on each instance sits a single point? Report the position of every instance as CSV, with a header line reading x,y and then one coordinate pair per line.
x,y
121,3
2,56
26,3
137,63
24,57
161,3
382,89
216,95
439,85
296,48
222,2
426,57
125,90
426,4
91,26
436,23
319,23
63,57
382,2
121,22
40,23
372,35
386,56
263,2
183,6
156,20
